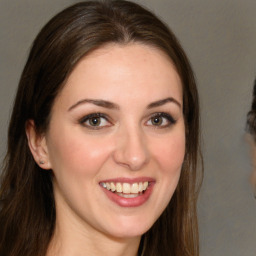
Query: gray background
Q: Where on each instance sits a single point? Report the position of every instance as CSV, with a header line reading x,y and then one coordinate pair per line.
x,y
219,37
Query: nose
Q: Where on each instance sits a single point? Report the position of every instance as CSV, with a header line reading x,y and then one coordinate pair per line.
x,y
131,149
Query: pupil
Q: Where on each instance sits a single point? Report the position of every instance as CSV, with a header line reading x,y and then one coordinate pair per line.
x,y
157,120
95,121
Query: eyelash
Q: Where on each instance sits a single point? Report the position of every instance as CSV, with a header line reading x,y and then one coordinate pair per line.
x,y
89,117
171,121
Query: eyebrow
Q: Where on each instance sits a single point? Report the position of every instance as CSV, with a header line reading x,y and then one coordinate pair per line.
x,y
110,105
100,103
162,102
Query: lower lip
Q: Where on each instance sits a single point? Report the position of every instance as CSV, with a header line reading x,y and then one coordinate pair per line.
x,y
130,202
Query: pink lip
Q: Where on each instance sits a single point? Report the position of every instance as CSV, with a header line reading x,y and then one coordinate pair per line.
x,y
130,202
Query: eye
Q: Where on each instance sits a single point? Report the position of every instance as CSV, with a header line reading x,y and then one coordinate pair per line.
x,y
161,120
95,121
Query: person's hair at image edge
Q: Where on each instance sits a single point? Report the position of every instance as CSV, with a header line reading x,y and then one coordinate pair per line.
x,y
251,116
27,216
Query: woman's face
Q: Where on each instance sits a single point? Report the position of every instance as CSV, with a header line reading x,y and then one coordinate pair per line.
x,y
116,140
251,140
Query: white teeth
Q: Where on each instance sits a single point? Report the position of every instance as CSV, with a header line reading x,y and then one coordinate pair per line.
x,y
145,185
108,186
118,187
135,188
140,187
128,195
112,187
126,188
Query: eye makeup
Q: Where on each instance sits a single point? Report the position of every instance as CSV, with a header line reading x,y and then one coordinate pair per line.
x,y
95,121
161,120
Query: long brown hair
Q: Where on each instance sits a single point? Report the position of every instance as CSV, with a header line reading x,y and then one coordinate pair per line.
x,y
251,116
27,215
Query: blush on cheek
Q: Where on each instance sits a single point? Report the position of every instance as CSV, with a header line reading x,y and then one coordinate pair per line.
x,y
172,155
86,157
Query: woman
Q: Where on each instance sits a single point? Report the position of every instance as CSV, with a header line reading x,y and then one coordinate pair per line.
x,y
251,128
103,139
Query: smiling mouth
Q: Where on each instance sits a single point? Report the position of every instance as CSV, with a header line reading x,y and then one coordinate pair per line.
x,y
126,190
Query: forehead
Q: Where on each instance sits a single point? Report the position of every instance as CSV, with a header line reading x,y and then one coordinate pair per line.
x,y
132,69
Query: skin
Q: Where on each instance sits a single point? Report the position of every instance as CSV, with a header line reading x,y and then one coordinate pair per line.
x,y
251,141
126,144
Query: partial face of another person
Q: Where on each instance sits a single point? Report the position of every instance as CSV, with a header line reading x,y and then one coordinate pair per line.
x,y
251,140
116,140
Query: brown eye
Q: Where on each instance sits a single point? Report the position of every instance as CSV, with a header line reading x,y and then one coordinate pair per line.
x,y
160,120
157,120
94,121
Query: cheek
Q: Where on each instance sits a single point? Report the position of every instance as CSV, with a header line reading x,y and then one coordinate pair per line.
x,y
77,154
253,175
170,154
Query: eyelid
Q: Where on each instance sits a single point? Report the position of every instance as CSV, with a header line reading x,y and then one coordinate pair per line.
x,y
169,117
166,115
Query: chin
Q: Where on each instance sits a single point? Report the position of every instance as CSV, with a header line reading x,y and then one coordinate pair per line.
x,y
131,228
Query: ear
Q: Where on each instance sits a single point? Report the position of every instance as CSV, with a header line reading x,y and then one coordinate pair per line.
x,y
38,146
